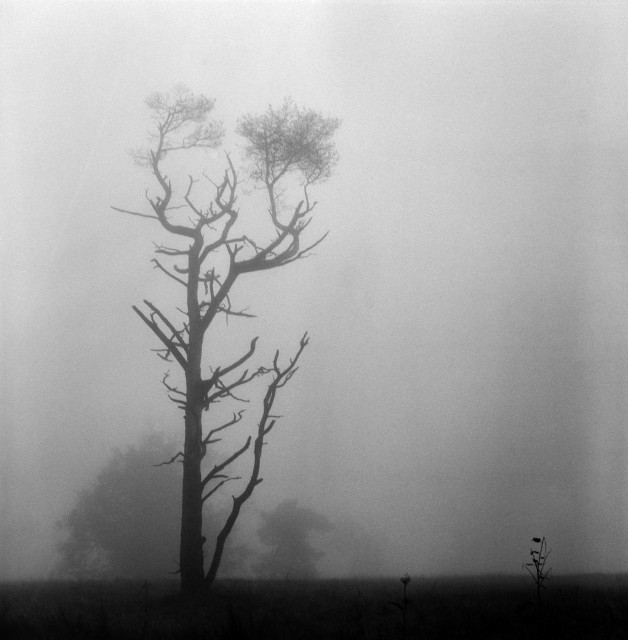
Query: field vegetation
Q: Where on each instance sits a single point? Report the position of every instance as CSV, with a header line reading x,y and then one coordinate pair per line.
x,y
469,607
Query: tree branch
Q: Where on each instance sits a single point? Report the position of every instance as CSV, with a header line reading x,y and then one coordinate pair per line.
x,y
304,253
281,376
170,251
220,484
181,402
240,314
158,265
175,332
136,213
177,455
226,390
171,347
262,261
223,465
220,371
236,418
225,208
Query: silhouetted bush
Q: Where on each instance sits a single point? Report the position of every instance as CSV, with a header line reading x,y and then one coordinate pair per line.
x,y
127,524
287,530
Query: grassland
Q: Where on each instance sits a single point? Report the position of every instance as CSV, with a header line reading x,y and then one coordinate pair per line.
x,y
447,608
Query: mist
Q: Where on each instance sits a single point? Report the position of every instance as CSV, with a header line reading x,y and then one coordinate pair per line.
x,y
465,388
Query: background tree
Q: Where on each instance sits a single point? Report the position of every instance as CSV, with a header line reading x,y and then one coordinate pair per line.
x,y
288,150
287,530
127,524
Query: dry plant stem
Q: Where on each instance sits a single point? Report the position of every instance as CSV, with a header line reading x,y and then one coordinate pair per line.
x,y
403,607
536,567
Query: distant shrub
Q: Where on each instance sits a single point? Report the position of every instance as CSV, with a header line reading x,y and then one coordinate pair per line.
x,y
127,524
286,530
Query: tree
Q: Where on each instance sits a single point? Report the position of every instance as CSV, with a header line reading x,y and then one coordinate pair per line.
x,y
287,530
126,524
288,149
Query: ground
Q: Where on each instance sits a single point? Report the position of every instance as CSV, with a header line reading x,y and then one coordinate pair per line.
x,y
447,608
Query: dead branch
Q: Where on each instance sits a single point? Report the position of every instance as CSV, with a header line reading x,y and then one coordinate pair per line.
x,y
171,347
240,314
305,252
170,251
236,418
271,256
178,455
220,484
220,371
226,390
186,197
181,402
158,265
254,479
230,182
136,213
170,387
212,308
176,333
164,354
223,465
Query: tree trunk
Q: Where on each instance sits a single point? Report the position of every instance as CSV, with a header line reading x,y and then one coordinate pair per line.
x,y
191,551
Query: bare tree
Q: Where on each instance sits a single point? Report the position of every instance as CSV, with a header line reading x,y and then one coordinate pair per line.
x,y
288,149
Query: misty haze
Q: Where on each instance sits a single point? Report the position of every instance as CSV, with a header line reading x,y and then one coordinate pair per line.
x,y
315,293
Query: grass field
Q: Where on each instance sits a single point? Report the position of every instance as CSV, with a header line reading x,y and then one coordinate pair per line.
x,y
447,608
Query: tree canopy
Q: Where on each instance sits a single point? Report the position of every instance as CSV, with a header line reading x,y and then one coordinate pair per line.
x,y
289,139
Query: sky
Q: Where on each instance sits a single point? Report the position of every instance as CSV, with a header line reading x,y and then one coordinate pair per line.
x,y
465,388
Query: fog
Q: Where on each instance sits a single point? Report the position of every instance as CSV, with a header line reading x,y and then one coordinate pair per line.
x,y
465,388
